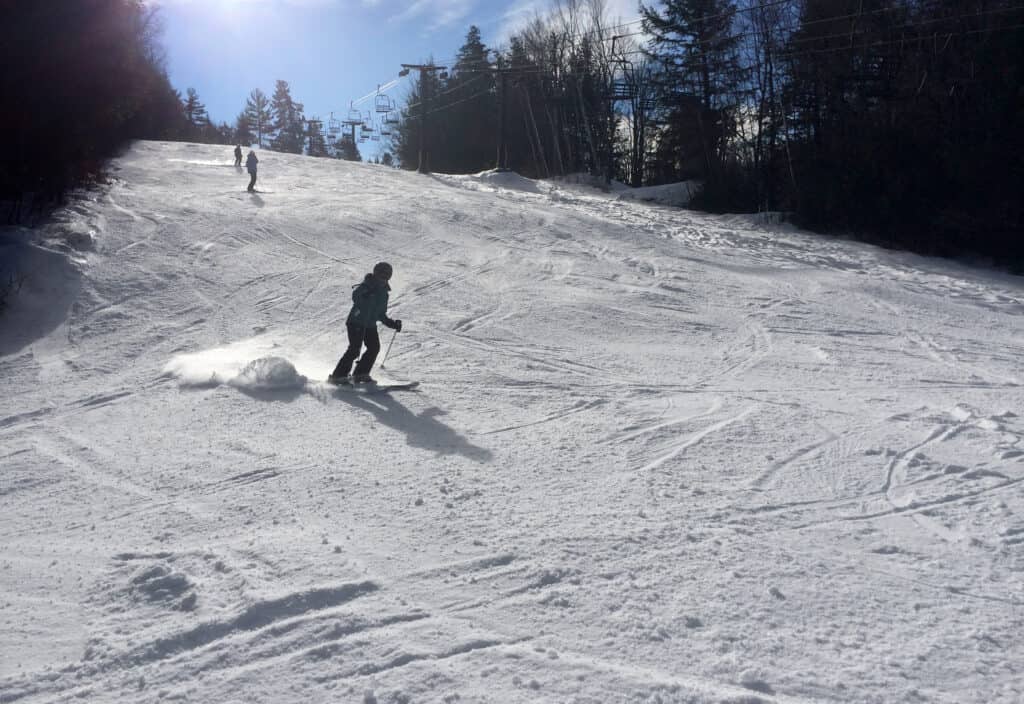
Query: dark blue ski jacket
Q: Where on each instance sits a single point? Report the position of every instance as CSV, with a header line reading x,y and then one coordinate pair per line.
x,y
370,303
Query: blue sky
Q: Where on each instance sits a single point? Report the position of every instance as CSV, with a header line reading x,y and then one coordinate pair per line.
x,y
330,51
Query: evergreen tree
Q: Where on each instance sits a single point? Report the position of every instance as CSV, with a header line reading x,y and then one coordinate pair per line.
x,y
160,113
693,52
243,132
467,129
348,150
257,112
222,134
195,112
406,139
288,121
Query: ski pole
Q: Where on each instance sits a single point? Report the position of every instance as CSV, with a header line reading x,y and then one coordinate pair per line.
x,y
389,349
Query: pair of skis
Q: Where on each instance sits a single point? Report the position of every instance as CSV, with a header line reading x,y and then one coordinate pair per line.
x,y
374,386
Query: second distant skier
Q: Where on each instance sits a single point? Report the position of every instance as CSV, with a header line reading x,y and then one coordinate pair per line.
x,y
250,164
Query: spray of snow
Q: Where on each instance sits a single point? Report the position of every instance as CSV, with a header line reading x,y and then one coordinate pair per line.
x,y
244,365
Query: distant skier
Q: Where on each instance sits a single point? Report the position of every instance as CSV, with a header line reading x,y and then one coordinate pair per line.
x,y
370,304
250,164
238,155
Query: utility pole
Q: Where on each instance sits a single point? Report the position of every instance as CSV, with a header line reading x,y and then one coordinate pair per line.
x,y
503,72
314,127
502,164
352,123
424,69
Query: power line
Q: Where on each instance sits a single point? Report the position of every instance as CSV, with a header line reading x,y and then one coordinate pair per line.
x,y
536,68
450,90
847,34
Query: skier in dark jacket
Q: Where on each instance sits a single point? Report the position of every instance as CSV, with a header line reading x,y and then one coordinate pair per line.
x,y
369,305
238,155
250,164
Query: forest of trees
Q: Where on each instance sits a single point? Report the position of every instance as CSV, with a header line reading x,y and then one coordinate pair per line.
x,y
893,120
78,80
897,121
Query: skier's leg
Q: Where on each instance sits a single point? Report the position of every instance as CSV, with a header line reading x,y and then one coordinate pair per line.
x,y
355,344
372,342
252,181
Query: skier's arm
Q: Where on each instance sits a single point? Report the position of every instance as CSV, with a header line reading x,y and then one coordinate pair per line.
x,y
389,322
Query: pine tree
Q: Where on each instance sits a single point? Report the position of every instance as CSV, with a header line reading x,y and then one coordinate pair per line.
x,y
288,121
195,113
693,50
348,150
406,138
467,131
243,132
257,112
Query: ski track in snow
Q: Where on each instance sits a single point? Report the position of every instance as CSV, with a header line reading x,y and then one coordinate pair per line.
x,y
656,455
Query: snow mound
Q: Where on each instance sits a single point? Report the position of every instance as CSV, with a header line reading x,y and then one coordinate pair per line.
x,y
269,374
677,194
509,180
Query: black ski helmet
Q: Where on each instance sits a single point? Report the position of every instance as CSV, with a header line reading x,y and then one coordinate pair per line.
x,y
383,270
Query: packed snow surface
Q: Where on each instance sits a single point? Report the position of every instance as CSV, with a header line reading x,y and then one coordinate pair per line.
x,y
656,456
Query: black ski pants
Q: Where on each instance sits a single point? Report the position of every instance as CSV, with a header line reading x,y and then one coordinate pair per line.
x,y
252,181
358,336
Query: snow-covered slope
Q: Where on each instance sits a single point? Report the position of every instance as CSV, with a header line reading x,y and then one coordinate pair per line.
x,y
656,456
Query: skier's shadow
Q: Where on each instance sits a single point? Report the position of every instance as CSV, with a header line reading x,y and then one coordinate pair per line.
x,y
422,430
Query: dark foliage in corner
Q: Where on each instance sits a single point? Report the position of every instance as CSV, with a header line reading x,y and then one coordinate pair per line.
x,y
79,79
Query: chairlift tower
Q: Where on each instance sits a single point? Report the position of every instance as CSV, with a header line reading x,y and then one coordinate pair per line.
x,y
354,119
424,69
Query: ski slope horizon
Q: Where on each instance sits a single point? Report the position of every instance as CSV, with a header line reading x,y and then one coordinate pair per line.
x,y
655,455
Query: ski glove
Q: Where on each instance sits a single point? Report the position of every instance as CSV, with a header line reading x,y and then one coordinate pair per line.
x,y
395,325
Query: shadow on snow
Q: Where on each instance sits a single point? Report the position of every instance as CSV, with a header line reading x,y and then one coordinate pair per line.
x,y
421,430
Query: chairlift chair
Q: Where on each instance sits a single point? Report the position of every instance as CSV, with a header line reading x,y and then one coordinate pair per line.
x,y
622,90
383,103
623,87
